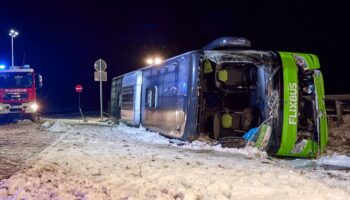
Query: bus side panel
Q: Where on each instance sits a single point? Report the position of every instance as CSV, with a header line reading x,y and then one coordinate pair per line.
x,y
116,91
192,101
170,81
150,116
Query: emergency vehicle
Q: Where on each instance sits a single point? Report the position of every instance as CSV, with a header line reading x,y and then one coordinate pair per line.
x,y
18,87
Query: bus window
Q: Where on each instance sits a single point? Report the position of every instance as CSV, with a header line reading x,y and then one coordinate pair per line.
x,y
151,98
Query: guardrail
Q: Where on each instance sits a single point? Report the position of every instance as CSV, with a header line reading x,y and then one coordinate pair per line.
x,y
337,105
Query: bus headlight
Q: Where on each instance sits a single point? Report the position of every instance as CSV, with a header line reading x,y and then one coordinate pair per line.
x,y
34,107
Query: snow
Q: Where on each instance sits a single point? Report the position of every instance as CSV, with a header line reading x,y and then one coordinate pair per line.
x,y
300,163
59,127
24,121
105,161
142,135
335,160
47,124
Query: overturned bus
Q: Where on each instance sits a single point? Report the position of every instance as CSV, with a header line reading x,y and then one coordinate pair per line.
x,y
227,90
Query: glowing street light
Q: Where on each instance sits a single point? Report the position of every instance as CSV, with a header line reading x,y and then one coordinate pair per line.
x,y
12,34
155,60
149,61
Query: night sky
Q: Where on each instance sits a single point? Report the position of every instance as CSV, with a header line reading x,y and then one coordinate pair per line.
x,y
62,39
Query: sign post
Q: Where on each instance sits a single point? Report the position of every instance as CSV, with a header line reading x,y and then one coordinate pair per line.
x,y
100,75
79,89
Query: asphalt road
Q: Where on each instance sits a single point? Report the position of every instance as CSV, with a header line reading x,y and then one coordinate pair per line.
x,y
19,143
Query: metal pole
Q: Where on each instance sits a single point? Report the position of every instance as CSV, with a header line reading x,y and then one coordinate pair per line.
x,y
12,51
101,104
81,112
79,101
339,111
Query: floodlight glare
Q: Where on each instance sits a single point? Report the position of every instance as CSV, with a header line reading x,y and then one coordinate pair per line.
x,y
12,34
34,107
149,61
157,60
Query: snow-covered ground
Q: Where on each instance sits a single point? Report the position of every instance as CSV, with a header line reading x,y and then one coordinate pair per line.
x,y
19,142
99,160
335,160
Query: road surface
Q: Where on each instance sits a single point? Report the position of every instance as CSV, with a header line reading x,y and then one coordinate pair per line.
x,y
102,161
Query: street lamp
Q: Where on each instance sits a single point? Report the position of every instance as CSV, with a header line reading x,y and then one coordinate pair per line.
x,y
155,60
149,61
12,34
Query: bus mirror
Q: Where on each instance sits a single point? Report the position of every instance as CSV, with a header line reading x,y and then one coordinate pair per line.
x,y
38,81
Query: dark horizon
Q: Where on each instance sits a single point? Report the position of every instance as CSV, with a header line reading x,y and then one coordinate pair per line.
x,y
61,41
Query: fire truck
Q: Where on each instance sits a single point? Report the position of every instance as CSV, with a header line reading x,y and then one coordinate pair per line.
x,y
18,87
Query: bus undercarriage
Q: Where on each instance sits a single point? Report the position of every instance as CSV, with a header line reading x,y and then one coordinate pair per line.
x,y
243,91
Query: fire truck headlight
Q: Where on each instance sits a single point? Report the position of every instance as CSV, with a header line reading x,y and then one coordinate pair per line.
x,y
35,107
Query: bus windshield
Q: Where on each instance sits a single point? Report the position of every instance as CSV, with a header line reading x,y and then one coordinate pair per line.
x,y
16,80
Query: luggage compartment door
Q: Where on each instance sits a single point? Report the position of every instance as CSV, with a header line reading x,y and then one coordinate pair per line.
x,y
131,98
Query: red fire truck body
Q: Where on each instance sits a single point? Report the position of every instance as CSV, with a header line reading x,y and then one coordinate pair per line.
x,y
18,87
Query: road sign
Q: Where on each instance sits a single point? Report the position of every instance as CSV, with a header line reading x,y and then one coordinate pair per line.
x,y
100,76
78,88
100,65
